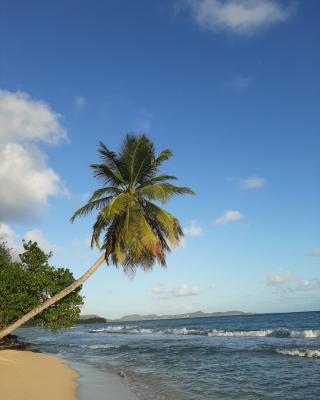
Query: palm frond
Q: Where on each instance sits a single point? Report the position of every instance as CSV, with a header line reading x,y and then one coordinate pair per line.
x,y
164,221
111,236
134,231
162,191
100,225
108,157
164,155
137,157
90,206
100,192
107,175
157,179
116,206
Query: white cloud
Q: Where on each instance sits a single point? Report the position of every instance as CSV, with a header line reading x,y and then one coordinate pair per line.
x,y
253,182
25,119
280,280
24,173
316,252
229,216
36,235
79,102
193,229
289,282
10,237
306,284
14,240
185,290
158,290
28,182
237,16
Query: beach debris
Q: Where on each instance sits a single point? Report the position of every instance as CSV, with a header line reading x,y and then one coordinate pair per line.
x,y
122,374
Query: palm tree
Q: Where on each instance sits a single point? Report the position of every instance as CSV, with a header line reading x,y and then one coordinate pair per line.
x,y
137,232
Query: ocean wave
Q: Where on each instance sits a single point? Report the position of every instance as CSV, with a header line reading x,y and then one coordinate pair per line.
x,y
241,333
309,353
278,333
94,346
101,346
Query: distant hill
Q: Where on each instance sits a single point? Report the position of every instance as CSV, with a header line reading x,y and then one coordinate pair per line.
x,y
196,314
90,319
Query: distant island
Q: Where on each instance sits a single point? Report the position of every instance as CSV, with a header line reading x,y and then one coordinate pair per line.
x,y
90,319
196,314
93,319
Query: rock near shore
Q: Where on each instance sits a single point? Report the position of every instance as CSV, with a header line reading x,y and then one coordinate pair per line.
x,y
11,342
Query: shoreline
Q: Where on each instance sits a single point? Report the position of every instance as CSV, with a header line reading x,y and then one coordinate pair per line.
x,y
96,384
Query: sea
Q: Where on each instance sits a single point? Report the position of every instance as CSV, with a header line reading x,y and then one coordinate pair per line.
x,y
249,357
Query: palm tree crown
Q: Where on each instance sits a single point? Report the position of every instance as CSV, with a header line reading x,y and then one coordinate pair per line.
x,y
136,231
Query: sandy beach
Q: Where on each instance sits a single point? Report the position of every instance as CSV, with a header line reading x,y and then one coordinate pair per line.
x,y
25,375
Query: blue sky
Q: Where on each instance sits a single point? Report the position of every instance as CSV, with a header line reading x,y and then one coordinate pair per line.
x,y
232,87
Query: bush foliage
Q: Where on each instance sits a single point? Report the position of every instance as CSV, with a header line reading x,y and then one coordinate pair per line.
x,y
28,282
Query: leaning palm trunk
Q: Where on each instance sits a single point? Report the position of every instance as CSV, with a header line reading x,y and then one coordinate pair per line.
x,y
41,307
137,232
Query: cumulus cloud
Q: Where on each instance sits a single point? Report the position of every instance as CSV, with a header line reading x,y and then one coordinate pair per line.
x,y
185,290
238,16
158,290
161,292
10,237
36,235
14,240
289,282
280,280
194,229
253,182
316,252
24,173
229,216
306,284
28,183
22,118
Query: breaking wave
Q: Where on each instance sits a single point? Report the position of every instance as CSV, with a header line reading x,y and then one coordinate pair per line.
x,y
279,333
309,353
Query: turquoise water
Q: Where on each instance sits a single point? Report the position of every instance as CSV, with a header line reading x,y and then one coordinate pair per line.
x,y
266,356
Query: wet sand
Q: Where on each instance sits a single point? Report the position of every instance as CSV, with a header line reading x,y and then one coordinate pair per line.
x,y
97,384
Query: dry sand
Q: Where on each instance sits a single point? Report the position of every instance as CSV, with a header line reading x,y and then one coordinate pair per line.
x,y
32,376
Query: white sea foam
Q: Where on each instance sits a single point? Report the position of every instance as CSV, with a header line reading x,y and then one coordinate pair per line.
x,y
101,346
94,346
310,353
306,334
280,332
240,333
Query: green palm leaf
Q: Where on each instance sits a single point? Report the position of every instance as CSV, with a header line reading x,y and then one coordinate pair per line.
x,y
90,206
136,232
162,191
